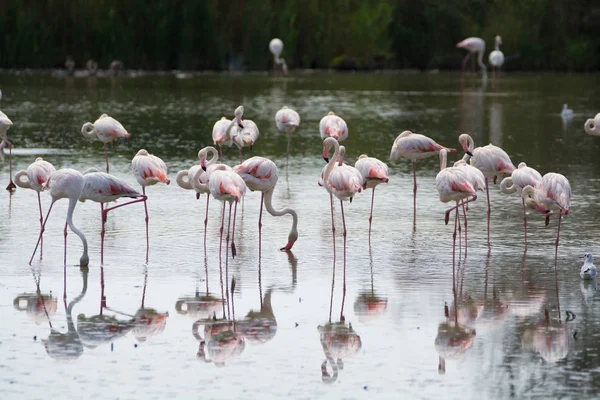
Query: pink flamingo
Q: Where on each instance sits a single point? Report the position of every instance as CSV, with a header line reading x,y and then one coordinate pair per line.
x,y
287,120
473,45
37,174
491,160
105,129
261,174
333,126
374,172
244,134
220,133
104,188
332,163
5,124
520,178
148,170
415,147
478,181
63,184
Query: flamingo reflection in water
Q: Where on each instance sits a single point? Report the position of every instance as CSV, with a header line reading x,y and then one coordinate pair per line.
x,y
339,341
37,306
368,304
549,338
454,339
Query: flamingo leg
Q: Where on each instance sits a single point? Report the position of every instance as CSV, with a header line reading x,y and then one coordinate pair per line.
x,y
233,250
524,222
344,278
465,215
102,232
332,219
206,221
11,185
106,155
41,225
102,296
241,159
287,154
464,62
473,64
220,260
146,211
489,210
333,268
262,197
220,152
65,233
371,215
41,232
454,254
227,261
414,163
448,211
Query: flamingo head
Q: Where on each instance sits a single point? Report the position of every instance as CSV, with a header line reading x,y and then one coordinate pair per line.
x,y
239,112
464,142
498,40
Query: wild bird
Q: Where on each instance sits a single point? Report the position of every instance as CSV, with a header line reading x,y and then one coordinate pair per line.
x,y
491,160
37,174
588,269
148,170
333,126
105,129
65,184
374,172
261,174
5,124
276,47
497,57
244,134
332,162
566,113
102,188
520,178
473,45
415,147
477,180
287,120
221,130
591,126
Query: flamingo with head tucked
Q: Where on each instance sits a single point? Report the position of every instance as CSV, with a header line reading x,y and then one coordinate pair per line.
x,y
261,174
287,120
473,45
244,134
221,129
65,184
37,174
276,47
497,57
374,172
333,126
105,129
415,147
5,124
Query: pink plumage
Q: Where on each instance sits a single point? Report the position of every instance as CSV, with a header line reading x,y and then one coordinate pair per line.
x,y
333,126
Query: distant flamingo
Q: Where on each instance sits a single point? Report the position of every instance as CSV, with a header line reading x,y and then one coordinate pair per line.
x,y
566,113
5,124
374,172
491,160
106,129
333,126
261,174
66,183
104,188
287,120
473,45
220,133
244,134
415,147
276,47
37,174
520,178
497,57
148,170
592,126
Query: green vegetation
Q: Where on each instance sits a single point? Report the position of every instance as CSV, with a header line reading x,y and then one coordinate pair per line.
x,y
560,35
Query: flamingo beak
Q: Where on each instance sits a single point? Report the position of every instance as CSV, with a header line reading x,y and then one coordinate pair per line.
x,y
466,149
203,164
326,154
241,126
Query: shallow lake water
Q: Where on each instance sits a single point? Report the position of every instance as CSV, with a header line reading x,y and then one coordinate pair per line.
x,y
394,333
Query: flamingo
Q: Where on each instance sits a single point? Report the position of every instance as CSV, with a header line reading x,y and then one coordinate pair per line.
x,y
37,174
477,179
591,126
333,126
148,170
105,129
63,184
5,124
220,133
473,45
497,57
276,47
261,174
521,177
244,134
287,120
588,269
328,143
566,113
374,172
491,160
415,146
103,188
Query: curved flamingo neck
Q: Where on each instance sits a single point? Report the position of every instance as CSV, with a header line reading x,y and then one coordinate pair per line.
x,y
84,260
183,179
293,235
480,62
214,153
443,159
195,182
26,184
87,132
333,161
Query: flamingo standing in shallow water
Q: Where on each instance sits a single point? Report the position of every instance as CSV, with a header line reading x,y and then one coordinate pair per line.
x,y
276,47
497,57
104,188
333,126
473,45
106,129
520,178
148,170
220,133
37,174
5,124
374,172
261,174
65,183
477,179
491,160
244,134
415,147
287,120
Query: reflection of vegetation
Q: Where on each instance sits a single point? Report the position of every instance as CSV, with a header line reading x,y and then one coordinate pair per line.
x,y
211,34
